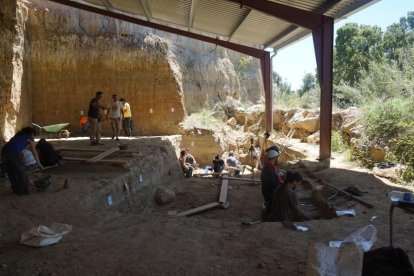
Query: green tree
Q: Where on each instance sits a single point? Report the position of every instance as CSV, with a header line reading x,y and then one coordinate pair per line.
x,y
355,47
308,83
399,37
281,85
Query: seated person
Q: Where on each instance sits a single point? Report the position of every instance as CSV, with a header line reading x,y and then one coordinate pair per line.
x,y
285,204
186,167
218,164
29,160
190,158
233,163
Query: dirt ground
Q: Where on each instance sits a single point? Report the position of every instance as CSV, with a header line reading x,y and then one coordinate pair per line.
x,y
139,237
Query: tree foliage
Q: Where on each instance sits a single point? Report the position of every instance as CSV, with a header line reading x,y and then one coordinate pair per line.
x,y
308,83
399,37
355,47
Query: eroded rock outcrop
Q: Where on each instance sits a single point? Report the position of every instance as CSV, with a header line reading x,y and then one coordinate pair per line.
x,y
13,98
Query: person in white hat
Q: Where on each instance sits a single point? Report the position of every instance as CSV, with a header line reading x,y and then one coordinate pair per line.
x,y
269,179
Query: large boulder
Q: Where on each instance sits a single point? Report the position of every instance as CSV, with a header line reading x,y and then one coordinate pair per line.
x,y
350,118
278,118
314,139
303,125
163,195
232,121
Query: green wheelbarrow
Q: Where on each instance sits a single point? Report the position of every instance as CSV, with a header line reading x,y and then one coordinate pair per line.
x,y
56,131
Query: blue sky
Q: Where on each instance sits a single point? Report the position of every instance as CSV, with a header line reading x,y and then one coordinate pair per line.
x,y
294,61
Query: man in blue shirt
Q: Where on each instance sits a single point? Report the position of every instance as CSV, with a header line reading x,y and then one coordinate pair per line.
x,y
12,159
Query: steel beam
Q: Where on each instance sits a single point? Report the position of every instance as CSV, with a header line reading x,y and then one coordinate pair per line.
x,y
276,38
145,7
323,44
239,24
266,63
107,4
306,19
251,51
192,13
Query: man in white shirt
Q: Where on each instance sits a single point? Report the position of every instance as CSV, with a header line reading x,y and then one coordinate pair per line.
x,y
115,110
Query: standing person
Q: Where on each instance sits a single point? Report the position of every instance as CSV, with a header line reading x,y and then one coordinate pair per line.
x,y
12,159
269,179
94,119
115,109
285,204
84,125
127,118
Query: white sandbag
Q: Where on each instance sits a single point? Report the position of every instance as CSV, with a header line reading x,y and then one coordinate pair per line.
x,y
42,235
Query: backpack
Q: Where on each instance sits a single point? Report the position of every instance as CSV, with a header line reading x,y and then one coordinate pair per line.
x,y
48,156
387,261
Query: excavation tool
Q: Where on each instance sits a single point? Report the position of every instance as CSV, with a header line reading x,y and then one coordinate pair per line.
x,y
250,223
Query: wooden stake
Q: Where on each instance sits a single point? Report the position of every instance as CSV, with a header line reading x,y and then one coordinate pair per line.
x,y
224,189
102,155
199,209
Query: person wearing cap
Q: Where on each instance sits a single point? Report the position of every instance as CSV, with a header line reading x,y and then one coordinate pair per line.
x,y
285,204
269,179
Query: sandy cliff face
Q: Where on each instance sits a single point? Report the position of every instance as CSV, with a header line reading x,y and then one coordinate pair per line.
x,y
54,59
72,54
13,99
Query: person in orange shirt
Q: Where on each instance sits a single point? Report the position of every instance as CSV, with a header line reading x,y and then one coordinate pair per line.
x,y
84,125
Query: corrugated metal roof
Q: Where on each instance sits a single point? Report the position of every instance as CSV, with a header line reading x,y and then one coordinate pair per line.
x,y
230,20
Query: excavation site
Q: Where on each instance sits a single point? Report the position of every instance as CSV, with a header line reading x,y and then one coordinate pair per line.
x,y
172,153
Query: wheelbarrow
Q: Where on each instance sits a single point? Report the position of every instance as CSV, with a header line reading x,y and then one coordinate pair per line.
x,y
56,131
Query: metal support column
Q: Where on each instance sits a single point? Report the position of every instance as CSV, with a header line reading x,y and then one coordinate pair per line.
x,y
323,44
266,63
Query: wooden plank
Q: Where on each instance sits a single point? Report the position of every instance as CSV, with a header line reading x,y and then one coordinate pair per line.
x,y
102,155
244,179
92,150
348,194
199,209
109,161
224,189
208,174
319,180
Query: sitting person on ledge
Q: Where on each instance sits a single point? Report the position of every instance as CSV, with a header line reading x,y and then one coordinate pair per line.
x,y
186,167
218,164
189,158
233,164
285,204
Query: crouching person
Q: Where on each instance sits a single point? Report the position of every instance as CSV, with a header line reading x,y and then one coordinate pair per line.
x,y
285,204
186,167
13,162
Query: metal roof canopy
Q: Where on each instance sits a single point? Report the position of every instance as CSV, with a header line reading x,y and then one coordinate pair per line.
x,y
246,26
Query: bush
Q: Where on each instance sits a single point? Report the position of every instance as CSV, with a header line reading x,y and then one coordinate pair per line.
x,y
385,121
345,96
390,124
403,152
338,143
